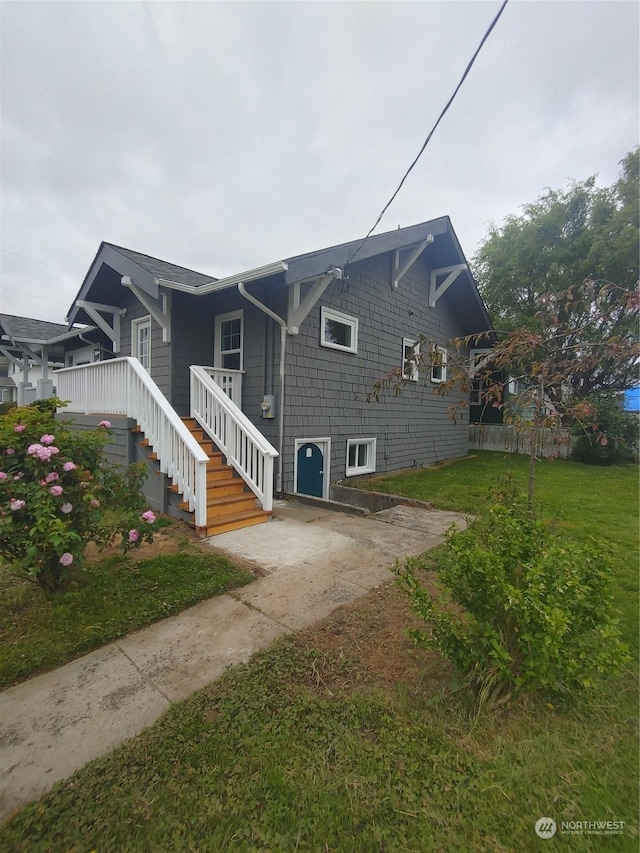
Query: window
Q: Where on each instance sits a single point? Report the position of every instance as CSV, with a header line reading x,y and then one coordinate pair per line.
x,y
229,339
479,376
361,456
141,341
410,349
439,365
338,331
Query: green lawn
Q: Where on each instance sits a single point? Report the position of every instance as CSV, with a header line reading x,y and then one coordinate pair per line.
x,y
306,749
583,500
110,598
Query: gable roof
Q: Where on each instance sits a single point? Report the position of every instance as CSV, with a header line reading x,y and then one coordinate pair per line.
x,y
149,273
29,331
163,269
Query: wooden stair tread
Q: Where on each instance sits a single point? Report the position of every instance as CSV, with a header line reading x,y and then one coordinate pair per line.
x,y
227,523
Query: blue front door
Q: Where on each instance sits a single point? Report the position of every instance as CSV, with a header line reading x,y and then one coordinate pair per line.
x,y
310,480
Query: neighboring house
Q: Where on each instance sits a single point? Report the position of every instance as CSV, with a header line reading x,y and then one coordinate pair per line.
x,y
29,350
274,364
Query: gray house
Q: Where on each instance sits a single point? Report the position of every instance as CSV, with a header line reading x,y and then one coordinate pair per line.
x,y
257,383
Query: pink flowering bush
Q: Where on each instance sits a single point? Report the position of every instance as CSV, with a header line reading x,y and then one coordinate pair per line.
x,y
56,496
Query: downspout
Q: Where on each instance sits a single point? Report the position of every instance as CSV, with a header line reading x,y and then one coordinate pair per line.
x,y
283,344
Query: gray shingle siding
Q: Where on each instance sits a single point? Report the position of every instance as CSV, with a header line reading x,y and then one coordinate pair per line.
x,y
327,389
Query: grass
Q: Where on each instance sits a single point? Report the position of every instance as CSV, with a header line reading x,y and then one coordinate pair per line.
x,y
110,598
585,501
345,739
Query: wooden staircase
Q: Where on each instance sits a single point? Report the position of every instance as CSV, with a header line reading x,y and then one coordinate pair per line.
x,y
231,505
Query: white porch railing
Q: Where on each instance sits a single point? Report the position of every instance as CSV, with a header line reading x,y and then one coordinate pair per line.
x,y
121,386
244,446
229,380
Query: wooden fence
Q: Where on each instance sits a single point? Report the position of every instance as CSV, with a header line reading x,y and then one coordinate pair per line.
x,y
517,439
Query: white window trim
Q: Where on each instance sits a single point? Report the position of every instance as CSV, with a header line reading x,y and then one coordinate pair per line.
x,y
329,314
414,375
135,341
220,319
370,467
442,351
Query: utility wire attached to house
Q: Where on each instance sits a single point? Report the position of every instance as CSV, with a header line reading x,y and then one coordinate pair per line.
x,y
433,129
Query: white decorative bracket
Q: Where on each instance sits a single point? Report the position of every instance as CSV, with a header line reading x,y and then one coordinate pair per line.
x,y
162,316
113,331
299,310
400,271
17,362
436,290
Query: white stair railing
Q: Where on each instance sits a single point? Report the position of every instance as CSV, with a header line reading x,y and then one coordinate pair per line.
x,y
244,446
229,380
121,386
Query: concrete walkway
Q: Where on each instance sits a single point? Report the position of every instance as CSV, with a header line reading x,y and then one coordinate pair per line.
x,y
316,560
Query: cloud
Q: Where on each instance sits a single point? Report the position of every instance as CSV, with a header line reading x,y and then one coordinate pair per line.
x,y
223,136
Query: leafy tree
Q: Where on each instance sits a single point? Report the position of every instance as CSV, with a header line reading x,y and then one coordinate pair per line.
x,y
563,239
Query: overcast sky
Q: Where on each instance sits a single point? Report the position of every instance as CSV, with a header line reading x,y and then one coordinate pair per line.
x,y
223,136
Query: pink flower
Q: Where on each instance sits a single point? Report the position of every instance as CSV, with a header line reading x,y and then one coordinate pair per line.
x,y
53,450
56,491
66,559
133,535
69,466
95,503
105,424
47,438
66,508
3,476
52,477
148,516
9,451
16,505
43,453
19,428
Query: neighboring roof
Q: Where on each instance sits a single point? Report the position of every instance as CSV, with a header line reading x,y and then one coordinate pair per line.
x,y
163,269
28,330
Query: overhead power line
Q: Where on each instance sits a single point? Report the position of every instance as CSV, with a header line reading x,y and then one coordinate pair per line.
x,y
433,129
42,263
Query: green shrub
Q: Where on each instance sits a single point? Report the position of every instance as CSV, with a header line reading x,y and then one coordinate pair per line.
x,y
523,609
608,436
55,496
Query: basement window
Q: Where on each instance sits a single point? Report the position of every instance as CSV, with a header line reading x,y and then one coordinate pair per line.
x,y
338,331
361,456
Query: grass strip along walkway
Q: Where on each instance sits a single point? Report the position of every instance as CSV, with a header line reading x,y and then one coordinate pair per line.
x,y
110,598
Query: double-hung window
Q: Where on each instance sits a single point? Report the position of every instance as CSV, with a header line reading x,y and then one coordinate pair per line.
x,y
410,352
338,331
439,364
229,340
361,456
141,341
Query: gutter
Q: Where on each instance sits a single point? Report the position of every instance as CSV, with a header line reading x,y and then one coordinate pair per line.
x,y
224,283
